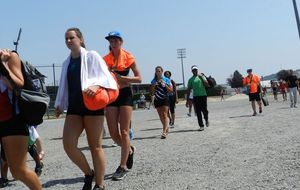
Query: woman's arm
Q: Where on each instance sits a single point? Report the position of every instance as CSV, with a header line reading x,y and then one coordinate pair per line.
x,y
129,79
12,64
152,89
169,88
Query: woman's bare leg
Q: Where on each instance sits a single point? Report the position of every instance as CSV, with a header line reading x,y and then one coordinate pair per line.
x,y
72,130
15,148
94,127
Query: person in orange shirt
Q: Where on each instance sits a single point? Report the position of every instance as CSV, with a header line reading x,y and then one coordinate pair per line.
x,y
118,113
283,89
252,82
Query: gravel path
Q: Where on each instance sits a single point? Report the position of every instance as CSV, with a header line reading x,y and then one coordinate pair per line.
x,y
237,151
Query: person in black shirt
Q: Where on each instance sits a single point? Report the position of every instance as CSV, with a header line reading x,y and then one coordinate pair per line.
x,y
292,83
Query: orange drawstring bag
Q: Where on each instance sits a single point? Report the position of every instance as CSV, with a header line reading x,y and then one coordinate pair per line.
x,y
102,97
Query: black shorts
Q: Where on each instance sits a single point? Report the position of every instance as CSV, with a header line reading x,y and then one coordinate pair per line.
x,y
84,112
12,127
3,157
125,98
254,96
77,107
161,102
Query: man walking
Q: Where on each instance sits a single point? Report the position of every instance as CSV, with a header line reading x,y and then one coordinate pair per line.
x,y
252,82
292,83
198,83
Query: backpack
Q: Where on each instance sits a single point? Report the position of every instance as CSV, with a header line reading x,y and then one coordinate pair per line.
x,y
210,80
32,98
33,79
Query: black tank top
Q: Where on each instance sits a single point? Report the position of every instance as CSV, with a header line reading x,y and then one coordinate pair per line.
x,y
124,72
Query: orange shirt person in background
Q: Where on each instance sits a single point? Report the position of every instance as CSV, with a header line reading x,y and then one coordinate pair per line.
x,y
252,82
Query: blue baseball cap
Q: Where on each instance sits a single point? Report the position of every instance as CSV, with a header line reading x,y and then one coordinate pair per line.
x,y
114,34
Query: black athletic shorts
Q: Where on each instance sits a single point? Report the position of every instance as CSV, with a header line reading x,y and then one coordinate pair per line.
x,y
254,96
84,112
125,98
77,107
161,102
13,126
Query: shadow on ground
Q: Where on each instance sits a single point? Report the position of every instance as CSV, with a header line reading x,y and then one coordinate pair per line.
x,y
232,117
152,129
185,131
63,182
143,138
103,146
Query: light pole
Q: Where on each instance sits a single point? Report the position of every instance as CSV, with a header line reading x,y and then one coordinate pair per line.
x,y
16,43
180,55
297,16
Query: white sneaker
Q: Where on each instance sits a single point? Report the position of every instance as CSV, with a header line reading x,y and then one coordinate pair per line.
x,y
114,144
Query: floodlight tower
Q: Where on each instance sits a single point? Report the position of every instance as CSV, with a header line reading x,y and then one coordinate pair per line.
x,y
297,16
180,55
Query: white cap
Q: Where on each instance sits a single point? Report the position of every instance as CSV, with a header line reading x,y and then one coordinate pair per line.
x,y
194,67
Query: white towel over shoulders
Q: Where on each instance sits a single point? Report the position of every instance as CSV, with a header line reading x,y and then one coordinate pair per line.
x,y
94,71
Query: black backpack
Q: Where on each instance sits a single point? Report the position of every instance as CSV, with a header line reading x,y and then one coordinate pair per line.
x,y
210,80
33,79
32,98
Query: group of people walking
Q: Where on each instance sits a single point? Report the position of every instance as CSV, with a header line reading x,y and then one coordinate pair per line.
x,y
74,80
163,88
289,84
83,72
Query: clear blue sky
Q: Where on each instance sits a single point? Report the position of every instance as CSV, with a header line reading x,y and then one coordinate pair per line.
x,y
219,36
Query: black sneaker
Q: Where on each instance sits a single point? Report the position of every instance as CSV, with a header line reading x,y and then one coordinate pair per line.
x,y
201,128
129,162
260,109
39,169
207,123
96,187
119,174
88,180
3,182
